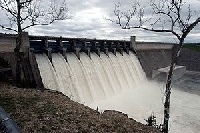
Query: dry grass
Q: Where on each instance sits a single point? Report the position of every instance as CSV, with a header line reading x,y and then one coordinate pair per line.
x,y
36,112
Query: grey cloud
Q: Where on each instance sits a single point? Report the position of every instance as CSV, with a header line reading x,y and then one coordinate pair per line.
x,y
88,22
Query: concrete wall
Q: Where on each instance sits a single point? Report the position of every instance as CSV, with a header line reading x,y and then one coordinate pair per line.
x,y
7,46
153,55
154,59
190,59
7,43
10,57
152,46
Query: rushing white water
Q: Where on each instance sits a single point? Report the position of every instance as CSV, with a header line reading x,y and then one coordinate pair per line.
x,y
118,83
49,77
126,67
80,79
146,99
95,83
102,75
123,80
136,66
107,64
90,78
64,75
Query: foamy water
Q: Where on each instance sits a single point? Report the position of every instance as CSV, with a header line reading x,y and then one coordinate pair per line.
x,y
141,102
118,83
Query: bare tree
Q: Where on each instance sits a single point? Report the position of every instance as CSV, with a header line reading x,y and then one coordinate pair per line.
x,y
175,16
23,14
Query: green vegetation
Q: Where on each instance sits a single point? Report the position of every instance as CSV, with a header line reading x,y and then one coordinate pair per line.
x,y
192,47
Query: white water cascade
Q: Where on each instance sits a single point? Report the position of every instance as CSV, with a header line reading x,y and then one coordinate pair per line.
x,y
118,83
49,77
90,79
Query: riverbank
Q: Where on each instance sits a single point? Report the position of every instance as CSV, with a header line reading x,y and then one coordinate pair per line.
x,y
48,111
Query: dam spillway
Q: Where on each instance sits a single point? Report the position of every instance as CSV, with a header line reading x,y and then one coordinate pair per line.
x,y
90,78
85,70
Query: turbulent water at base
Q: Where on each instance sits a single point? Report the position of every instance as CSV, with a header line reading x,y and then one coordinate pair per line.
x,y
118,83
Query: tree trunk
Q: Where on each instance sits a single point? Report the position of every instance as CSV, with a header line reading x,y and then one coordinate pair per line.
x,y
175,56
18,45
18,66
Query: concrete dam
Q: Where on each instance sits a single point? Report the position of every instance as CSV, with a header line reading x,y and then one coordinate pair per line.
x,y
86,70
61,64
152,55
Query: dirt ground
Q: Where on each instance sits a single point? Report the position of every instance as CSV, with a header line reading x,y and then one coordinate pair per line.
x,y
38,111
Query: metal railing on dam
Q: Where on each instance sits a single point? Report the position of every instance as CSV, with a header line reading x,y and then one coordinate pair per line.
x,y
45,44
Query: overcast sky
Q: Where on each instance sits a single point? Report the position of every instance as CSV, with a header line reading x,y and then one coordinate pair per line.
x,y
89,21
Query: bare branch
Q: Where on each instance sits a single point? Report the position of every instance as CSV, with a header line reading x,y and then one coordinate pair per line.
x,y
162,30
190,27
7,28
124,17
6,7
31,12
168,12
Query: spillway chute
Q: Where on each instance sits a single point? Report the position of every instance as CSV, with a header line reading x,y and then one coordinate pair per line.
x,y
93,78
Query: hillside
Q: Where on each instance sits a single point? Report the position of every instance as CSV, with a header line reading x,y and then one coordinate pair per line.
x,y
192,47
37,111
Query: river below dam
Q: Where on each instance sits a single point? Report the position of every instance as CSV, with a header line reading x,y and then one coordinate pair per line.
x,y
147,99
